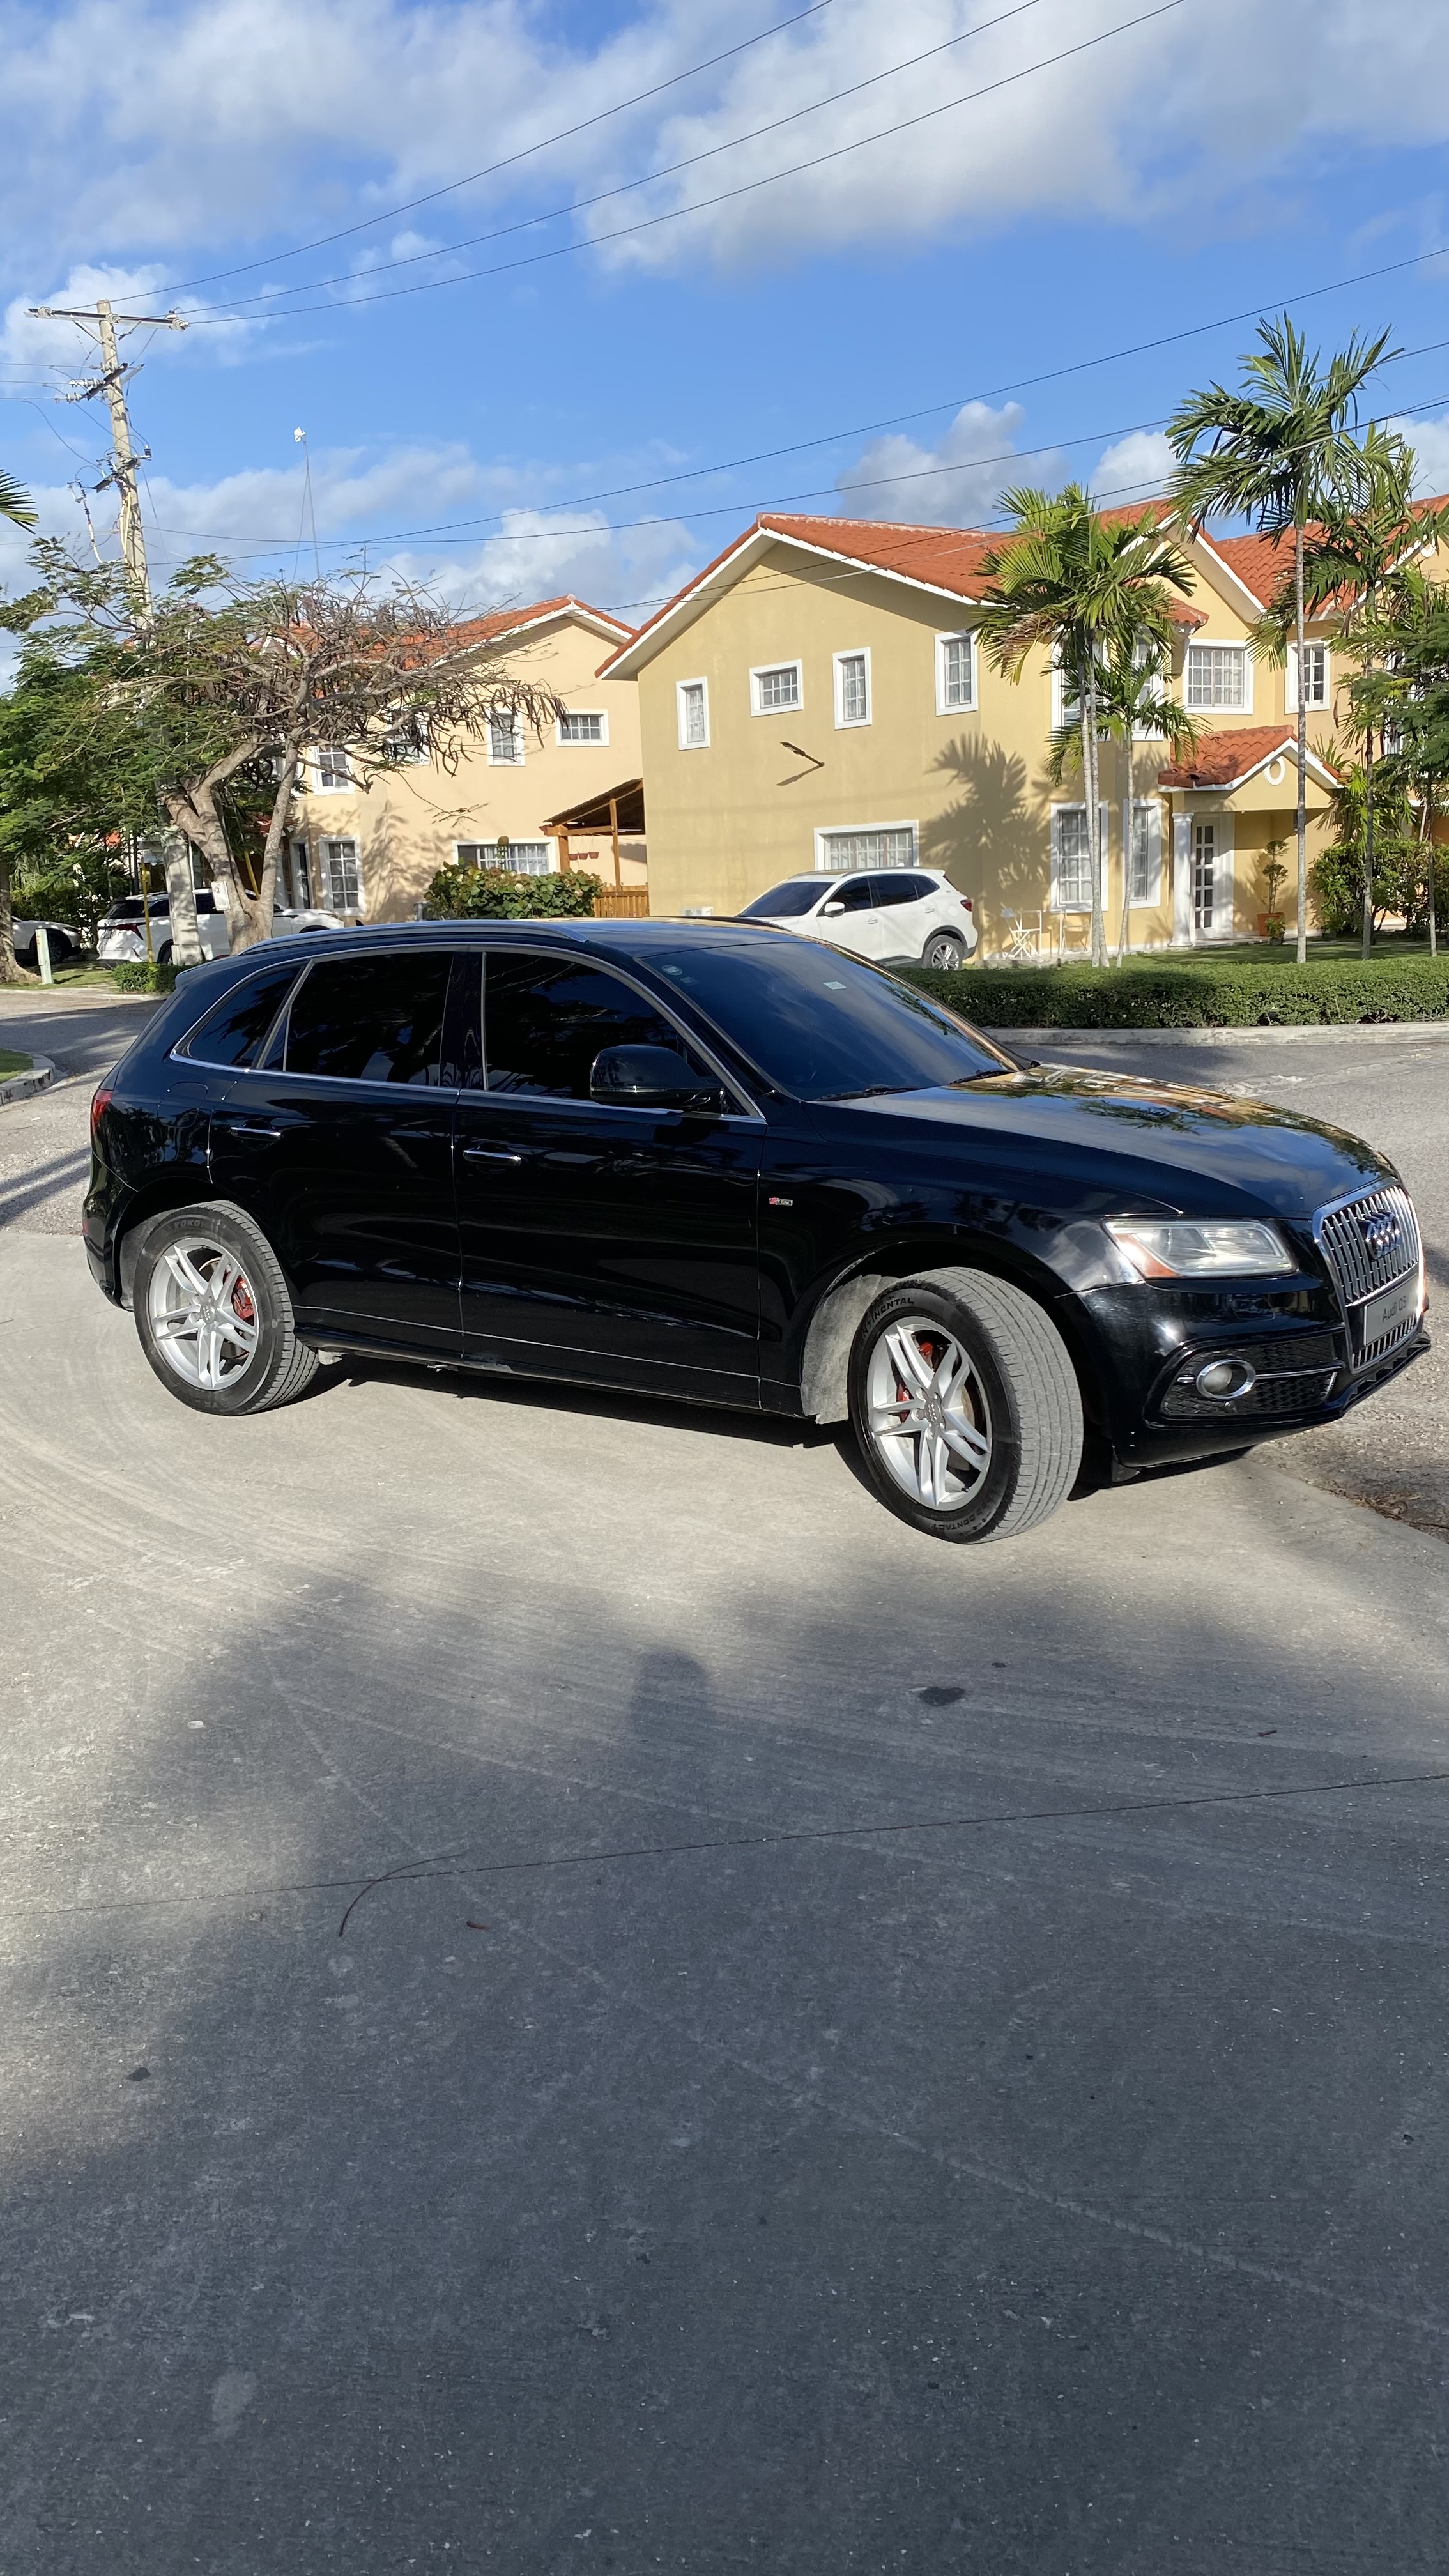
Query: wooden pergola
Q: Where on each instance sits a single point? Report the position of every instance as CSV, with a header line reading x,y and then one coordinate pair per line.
x,y
618,809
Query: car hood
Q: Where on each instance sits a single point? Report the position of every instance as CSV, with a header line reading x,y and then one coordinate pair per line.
x,y
1180,1146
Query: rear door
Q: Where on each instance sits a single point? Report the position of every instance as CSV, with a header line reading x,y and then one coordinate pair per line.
x,y
601,1241
340,1146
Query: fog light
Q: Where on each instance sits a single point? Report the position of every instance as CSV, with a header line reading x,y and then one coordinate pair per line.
x,y
1223,1379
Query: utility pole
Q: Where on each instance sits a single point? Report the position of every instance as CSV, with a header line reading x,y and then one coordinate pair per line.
x,y
126,460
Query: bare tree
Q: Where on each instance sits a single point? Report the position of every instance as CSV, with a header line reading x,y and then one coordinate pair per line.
x,y
224,686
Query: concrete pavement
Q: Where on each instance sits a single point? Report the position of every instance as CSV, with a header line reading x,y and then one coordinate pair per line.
x,y
994,2135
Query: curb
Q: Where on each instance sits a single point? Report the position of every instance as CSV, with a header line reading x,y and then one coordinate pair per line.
x,y
1373,1031
23,1086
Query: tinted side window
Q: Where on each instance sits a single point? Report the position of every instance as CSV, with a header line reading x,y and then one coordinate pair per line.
x,y
856,894
371,1019
545,1019
899,886
233,1031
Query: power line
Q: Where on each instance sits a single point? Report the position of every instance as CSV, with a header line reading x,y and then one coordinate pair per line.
x,y
648,178
732,509
391,213
214,317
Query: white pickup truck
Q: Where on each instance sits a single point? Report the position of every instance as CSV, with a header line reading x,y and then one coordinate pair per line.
x,y
122,937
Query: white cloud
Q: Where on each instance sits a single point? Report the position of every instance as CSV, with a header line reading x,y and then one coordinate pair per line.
x,y
954,484
1429,440
133,127
1137,466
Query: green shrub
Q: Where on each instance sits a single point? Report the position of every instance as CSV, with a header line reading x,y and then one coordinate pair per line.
x,y
497,894
143,975
1198,994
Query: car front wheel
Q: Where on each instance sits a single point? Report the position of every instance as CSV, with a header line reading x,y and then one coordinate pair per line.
x,y
944,951
966,1406
214,1315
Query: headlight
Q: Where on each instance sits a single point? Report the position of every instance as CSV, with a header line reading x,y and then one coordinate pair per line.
x,y
1218,1248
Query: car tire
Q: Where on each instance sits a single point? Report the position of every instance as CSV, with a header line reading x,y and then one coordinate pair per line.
x,y
214,1313
1000,1446
945,951
164,953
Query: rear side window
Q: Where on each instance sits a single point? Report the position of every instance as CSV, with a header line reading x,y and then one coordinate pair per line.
x,y
231,1033
371,1019
898,885
545,1019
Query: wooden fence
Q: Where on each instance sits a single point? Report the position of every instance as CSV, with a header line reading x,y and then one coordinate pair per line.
x,y
621,903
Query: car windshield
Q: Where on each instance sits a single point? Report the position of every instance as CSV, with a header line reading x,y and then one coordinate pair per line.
x,y
822,1026
785,902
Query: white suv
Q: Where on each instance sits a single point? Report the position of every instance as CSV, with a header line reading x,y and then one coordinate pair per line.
x,y
895,916
122,937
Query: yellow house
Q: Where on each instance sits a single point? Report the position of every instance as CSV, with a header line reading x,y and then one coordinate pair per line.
x,y
370,851
816,698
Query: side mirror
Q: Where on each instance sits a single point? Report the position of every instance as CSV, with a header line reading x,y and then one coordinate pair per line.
x,y
828,911
650,1077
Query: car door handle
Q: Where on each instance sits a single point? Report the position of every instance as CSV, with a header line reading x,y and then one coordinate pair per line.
x,y
249,1127
489,1154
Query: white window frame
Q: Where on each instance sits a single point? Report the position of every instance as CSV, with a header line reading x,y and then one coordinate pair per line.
x,y
596,742
339,841
956,706
549,849
1218,644
1104,838
843,722
681,696
1316,706
1149,901
828,832
766,670
328,752
506,759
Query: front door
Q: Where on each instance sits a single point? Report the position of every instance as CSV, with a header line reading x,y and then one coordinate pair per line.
x,y
341,1148
599,1241
857,924
1212,878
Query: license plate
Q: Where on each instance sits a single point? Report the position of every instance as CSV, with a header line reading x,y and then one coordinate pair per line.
x,y
1391,1312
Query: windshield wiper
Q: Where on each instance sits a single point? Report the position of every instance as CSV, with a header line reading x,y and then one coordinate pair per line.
x,y
867,1090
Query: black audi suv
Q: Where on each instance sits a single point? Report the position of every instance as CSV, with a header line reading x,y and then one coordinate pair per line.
x,y
708,1160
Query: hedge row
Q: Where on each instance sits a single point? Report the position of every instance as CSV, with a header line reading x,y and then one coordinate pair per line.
x,y
1205,994
144,975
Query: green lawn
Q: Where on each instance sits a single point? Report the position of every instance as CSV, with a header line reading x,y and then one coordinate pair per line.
x,y
10,1063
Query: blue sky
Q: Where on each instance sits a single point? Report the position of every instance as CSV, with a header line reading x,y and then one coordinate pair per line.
x,y
1218,156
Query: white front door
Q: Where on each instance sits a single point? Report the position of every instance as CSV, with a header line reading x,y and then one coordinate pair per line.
x,y
1211,884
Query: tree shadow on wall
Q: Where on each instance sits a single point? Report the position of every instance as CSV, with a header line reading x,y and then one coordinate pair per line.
x,y
993,833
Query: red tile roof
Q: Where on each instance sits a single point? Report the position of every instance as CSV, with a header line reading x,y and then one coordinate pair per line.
x,y
506,621
1225,759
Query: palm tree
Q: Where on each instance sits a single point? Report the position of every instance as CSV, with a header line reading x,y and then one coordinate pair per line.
x,y
1081,587
1361,558
1407,696
1133,706
16,504
1280,451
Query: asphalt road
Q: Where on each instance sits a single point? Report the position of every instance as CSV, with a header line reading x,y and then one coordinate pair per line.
x,y
997,2136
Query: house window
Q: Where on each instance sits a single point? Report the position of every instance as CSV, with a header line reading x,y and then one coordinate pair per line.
x,y
576,726
1315,676
334,769
880,845
955,673
1219,676
692,700
505,740
519,858
1144,885
1072,857
775,689
301,876
1204,875
341,877
852,688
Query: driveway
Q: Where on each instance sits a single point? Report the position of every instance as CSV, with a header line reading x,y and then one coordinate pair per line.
x,y
456,2119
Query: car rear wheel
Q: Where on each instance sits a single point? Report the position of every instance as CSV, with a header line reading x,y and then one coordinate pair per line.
x,y
164,953
214,1315
944,951
965,1405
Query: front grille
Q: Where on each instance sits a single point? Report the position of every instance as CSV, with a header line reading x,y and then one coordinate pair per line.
x,y
1369,1244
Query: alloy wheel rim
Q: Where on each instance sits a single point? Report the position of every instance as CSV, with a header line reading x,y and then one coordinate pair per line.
x,y
928,1418
943,952
202,1310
